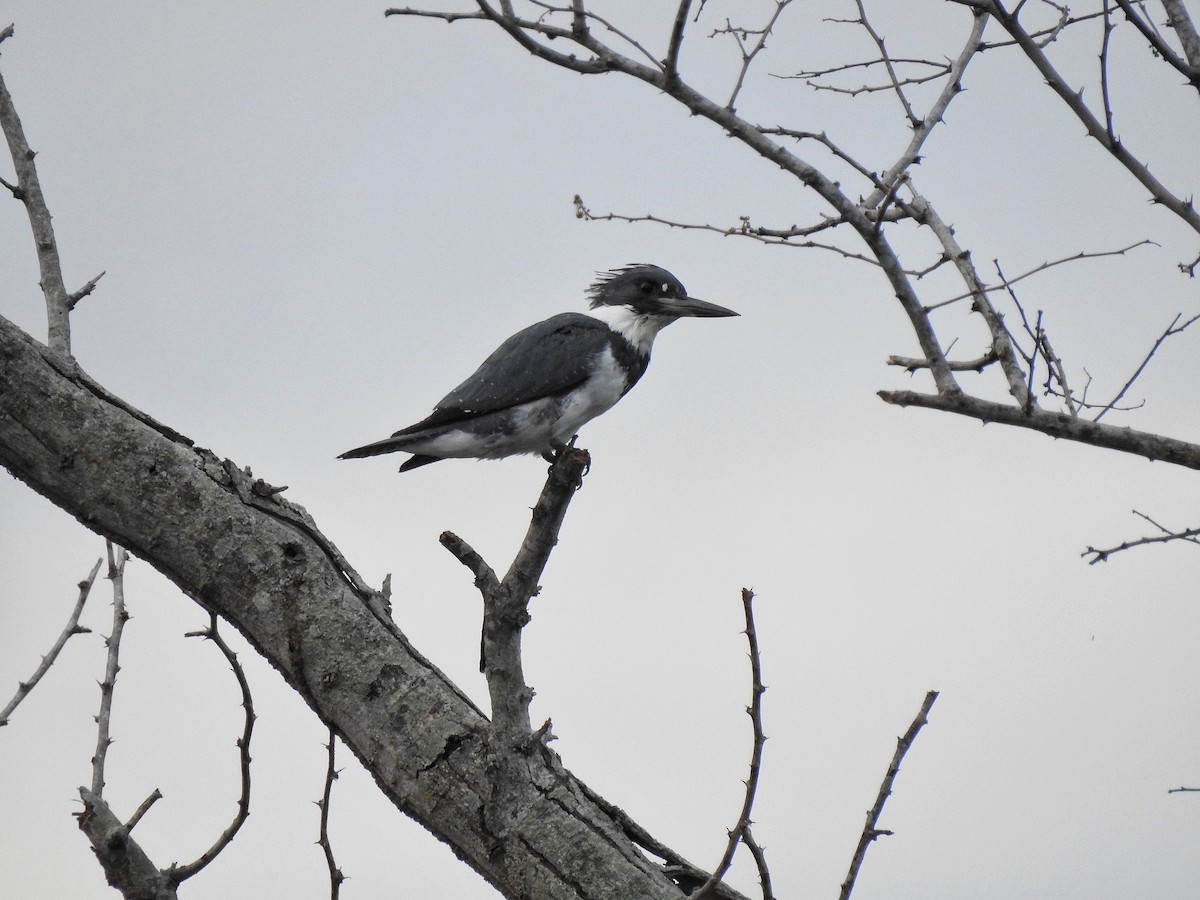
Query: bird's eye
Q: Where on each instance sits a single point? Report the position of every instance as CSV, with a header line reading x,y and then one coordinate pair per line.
x,y
646,287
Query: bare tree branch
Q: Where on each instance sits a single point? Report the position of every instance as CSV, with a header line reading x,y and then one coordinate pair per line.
x,y
1171,330
506,602
72,628
116,574
331,773
871,830
741,35
28,190
1165,536
143,808
1095,128
1181,22
741,831
1057,425
178,874
1007,283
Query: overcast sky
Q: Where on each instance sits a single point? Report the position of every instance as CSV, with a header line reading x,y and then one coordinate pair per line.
x,y
315,222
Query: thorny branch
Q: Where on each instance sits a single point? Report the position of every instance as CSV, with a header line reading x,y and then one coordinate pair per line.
x,y
127,866
177,873
749,49
72,628
116,574
740,833
1173,329
1165,536
331,773
1095,127
871,829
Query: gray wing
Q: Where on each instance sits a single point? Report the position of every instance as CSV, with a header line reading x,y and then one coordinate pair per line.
x,y
543,360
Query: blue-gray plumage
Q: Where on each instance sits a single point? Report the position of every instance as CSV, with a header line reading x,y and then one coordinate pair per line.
x,y
536,390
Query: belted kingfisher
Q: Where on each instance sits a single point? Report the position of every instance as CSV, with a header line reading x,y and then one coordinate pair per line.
x,y
536,390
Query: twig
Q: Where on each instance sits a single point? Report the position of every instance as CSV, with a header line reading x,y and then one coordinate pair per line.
x,y
741,831
331,773
28,189
116,574
1048,264
936,114
75,296
72,628
1166,535
940,69
871,830
955,365
1172,329
1183,790
1105,96
880,44
144,808
177,873
739,35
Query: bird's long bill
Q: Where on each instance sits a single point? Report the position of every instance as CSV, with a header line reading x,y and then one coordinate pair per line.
x,y
690,306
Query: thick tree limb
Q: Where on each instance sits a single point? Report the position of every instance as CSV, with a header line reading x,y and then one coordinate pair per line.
x,y
253,559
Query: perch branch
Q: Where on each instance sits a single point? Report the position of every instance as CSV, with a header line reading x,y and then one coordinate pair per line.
x,y
506,602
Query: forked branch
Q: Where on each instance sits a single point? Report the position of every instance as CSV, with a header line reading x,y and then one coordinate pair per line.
x,y
506,601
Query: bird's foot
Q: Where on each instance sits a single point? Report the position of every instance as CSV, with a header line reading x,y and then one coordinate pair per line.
x,y
558,448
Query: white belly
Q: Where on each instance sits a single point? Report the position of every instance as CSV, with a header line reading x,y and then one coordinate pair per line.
x,y
531,427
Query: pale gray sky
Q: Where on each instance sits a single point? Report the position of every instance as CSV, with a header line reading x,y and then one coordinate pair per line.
x,y
316,221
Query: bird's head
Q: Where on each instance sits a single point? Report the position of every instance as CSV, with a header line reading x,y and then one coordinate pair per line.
x,y
650,291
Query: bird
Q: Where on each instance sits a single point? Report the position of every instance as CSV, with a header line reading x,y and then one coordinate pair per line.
x,y
541,385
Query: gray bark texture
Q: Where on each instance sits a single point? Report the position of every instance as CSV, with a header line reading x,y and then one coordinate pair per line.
x,y
512,813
